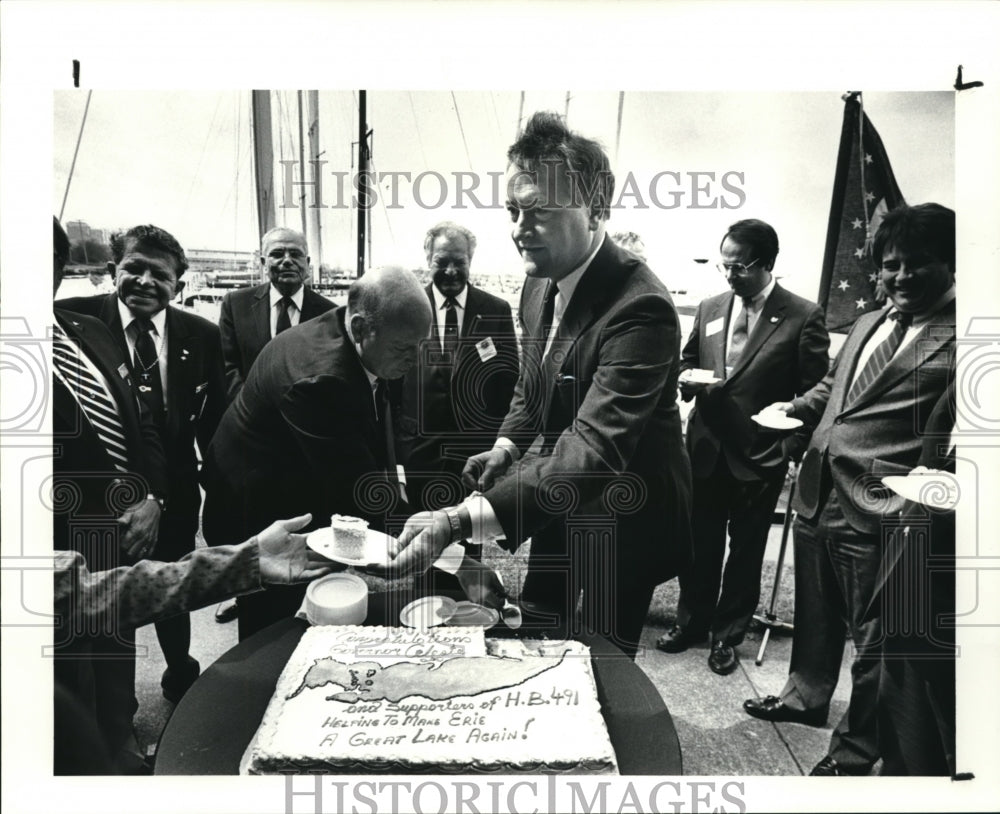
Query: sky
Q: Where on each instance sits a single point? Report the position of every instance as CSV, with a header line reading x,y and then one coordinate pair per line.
x,y
182,160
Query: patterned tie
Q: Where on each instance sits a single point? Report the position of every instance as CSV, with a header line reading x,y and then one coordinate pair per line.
x,y
449,342
284,319
147,368
881,356
740,333
91,393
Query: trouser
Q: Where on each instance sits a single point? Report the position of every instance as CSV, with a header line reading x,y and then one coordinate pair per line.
x,y
566,562
174,634
835,573
748,508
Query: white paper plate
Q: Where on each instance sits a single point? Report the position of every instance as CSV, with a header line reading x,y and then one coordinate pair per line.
x,y
700,376
469,614
777,421
428,611
939,490
376,547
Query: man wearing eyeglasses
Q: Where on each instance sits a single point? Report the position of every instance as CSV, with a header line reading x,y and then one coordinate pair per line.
x,y
747,345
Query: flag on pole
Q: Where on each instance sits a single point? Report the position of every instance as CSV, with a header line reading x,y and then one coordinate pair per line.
x,y
864,189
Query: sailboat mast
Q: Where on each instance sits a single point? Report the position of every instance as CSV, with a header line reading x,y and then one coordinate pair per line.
x,y
302,165
314,235
362,178
263,159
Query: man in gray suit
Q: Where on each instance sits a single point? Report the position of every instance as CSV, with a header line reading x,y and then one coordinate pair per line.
x,y
762,343
251,317
867,419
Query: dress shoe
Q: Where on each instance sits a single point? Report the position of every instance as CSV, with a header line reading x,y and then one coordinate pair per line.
x,y
226,612
772,708
722,659
677,639
177,682
828,767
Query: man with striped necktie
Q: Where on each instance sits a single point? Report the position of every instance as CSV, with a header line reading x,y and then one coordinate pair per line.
x,y
109,484
867,418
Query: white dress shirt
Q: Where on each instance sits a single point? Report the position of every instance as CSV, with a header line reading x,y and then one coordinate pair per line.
x,y
887,325
441,313
158,335
294,314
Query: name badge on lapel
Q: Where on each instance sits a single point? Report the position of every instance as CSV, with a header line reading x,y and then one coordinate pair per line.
x,y
713,327
486,349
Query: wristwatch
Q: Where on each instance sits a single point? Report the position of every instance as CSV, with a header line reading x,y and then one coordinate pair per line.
x,y
460,521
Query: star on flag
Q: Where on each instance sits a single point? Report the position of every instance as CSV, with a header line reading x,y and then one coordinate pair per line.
x,y
864,190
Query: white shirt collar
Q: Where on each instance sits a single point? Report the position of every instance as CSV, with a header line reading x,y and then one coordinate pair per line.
x,y
372,378
567,285
159,319
439,298
275,296
757,300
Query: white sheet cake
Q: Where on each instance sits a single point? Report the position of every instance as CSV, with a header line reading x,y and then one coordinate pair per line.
x,y
445,700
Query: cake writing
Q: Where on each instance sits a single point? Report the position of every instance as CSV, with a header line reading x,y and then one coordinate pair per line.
x,y
472,675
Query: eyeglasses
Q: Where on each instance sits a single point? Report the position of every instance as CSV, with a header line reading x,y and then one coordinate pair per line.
x,y
735,268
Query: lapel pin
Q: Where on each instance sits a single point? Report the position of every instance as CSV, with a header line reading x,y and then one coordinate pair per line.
x,y
773,320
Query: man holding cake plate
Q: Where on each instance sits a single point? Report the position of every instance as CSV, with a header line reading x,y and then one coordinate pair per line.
x,y
589,461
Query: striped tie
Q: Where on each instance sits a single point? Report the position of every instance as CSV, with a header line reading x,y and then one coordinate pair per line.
x,y
92,394
880,356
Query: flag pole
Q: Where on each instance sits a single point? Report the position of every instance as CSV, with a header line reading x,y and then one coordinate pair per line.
x,y
839,190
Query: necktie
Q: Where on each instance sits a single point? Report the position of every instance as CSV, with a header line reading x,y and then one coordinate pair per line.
x,y
740,333
548,314
449,342
284,319
881,356
147,368
384,412
91,393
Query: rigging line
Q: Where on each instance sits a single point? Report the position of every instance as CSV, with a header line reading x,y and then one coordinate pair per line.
x,y
416,126
76,150
496,114
204,149
461,129
385,211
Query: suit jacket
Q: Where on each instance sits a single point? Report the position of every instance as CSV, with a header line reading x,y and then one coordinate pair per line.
x,y
129,597
302,436
86,486
604,402
785,355
245,325
915,588
195,398
879,433
461,401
